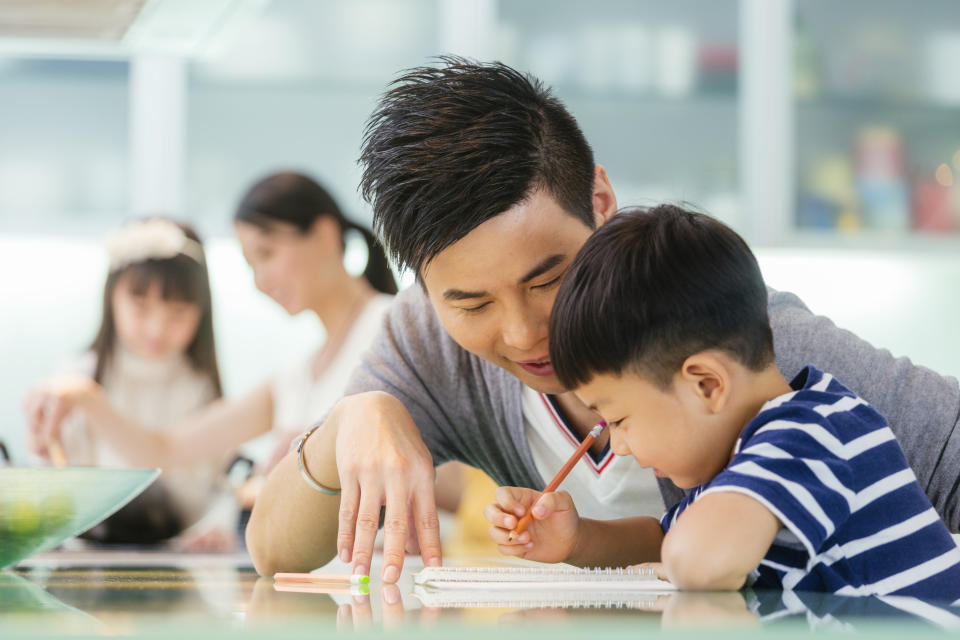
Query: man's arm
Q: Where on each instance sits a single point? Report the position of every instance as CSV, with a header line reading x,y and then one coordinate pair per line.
x,y
921,406
379,445
293,527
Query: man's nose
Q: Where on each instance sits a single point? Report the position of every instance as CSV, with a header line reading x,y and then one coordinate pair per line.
x,y
522,330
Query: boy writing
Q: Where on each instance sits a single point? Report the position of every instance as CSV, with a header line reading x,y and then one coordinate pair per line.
x,y
661,327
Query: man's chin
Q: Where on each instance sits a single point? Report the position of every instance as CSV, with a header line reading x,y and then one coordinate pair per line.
x,y
544,384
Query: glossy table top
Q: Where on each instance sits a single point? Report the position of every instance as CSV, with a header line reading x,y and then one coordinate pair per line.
x,y
159,594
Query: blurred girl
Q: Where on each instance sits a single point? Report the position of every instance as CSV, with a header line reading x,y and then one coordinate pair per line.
x,y
153,361
292,234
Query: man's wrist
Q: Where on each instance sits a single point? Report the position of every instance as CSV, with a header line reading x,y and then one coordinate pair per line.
x,y
319,456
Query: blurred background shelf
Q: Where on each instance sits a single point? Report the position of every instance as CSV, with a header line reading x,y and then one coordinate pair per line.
x,y
810,126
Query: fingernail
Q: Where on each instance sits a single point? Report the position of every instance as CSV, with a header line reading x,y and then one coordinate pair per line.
x,y
344,555
390,574
433,562
360,571
539,511
518,510
510,522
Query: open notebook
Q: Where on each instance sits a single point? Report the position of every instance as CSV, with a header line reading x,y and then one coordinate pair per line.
x,y
539,587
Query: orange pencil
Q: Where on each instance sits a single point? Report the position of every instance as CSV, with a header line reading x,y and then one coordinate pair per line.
x,y
557,479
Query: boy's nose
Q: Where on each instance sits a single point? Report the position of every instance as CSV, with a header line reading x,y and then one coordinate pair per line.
x,y
618,444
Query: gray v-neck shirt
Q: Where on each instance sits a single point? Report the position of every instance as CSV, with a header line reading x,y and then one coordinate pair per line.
x,y
470,410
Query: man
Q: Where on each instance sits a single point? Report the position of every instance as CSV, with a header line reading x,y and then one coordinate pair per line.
x,y
482,183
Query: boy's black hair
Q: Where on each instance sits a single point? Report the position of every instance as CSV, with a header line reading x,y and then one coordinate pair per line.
x,y
652,287
452,146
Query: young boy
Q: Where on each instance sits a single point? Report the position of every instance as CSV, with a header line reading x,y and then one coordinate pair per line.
x,y
661,327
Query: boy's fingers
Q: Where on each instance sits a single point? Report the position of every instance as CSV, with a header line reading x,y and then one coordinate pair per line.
x,y
502,537
518,551
550,503
511,500
656,568
496,516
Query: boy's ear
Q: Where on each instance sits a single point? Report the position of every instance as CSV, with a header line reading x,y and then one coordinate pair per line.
x,y
709,378
604,200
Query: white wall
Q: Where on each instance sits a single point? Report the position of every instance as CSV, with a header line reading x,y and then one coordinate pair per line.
x,y
50,290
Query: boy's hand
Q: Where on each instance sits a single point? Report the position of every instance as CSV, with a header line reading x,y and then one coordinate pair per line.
x,y
552,534
656,567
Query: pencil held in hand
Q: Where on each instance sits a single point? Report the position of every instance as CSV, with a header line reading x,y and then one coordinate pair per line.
x,y
557,479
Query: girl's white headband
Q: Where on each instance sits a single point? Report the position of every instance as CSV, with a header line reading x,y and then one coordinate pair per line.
x,y
153,239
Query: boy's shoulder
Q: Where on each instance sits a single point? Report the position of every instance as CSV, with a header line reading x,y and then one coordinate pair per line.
x,y
820,402
820,412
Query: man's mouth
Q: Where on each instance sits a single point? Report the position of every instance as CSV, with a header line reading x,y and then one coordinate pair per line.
x,y
541,367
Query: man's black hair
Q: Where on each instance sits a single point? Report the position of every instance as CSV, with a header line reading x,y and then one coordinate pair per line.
x,y
450,147
652,287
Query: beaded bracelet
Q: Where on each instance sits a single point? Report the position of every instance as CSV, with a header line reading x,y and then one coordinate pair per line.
x,y
301,464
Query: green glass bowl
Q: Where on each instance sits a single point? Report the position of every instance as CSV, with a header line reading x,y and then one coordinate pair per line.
x,y
40,508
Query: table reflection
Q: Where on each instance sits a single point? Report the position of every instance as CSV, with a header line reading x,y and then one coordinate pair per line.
x,y
142,600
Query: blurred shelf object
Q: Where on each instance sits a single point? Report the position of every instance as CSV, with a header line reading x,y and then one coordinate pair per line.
x,y
779,116
877,126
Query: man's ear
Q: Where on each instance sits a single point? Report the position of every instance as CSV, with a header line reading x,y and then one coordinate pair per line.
x,y
709,378
604,199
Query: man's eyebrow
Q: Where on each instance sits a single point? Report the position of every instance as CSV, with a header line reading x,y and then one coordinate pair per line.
x,y
545,265
459,294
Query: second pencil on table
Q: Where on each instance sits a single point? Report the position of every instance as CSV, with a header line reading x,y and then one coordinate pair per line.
x,y
325,578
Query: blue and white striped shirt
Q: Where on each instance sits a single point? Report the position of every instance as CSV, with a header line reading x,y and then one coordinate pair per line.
x,y
855,520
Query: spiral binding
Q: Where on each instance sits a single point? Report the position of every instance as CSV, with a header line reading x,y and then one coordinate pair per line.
x,y
438,576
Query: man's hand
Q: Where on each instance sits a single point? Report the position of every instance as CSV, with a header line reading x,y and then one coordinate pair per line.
x,y
552,535
382,460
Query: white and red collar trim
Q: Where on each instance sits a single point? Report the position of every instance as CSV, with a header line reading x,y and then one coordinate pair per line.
x,y
597,465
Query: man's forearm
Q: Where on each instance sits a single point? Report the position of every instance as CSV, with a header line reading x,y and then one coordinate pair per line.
x,y
293,526
617,543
